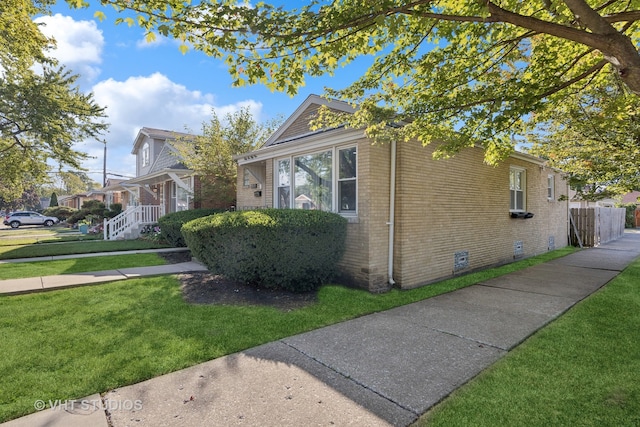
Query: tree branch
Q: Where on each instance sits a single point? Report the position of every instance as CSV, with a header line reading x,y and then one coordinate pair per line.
x,y
592,19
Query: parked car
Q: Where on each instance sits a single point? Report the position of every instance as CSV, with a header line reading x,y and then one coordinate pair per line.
x,y
16,219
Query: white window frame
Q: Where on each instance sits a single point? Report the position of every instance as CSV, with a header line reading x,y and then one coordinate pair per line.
x,y
334,178
175,189
551,187
146,154
246,180
523,189
338,180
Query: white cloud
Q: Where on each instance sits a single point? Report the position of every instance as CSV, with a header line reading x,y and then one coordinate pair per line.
x,y
159,40
78,43
151,101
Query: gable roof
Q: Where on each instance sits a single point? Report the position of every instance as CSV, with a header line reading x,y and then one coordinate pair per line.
x,y
153,133
631,197
297,125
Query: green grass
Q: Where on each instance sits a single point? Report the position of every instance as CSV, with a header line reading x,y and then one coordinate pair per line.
x,y
77,265
82,247
581,370
27,240
75,342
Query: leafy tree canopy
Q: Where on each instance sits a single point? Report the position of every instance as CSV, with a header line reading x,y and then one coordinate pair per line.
x,y
28,200
42,111
464,72
210,154
595,137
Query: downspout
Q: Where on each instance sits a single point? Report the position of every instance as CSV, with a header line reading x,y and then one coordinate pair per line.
x,y
392,211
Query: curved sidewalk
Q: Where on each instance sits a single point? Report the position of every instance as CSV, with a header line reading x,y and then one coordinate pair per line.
x,y
382,369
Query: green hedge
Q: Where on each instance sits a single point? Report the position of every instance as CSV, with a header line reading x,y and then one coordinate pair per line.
x,y
290,249
60,212
171,224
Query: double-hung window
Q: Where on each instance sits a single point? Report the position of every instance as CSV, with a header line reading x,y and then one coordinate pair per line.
x,y
347,180
550,188
517,189
324,180
145,154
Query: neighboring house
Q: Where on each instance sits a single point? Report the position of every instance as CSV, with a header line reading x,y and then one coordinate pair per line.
x,y
161,179
76,201
115,192
162,185
576,202
633,197
412,220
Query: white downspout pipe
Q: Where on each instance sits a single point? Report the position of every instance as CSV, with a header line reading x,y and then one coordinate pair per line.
x,y
392,210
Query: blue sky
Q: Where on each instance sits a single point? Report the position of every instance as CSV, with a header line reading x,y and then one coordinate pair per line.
x,y
154,85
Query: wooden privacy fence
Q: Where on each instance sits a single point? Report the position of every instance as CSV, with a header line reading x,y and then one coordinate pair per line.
x,y
594,226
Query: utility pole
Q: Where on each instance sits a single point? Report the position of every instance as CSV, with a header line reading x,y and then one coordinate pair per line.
x,y
104,165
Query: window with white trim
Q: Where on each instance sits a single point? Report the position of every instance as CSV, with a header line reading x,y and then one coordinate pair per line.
x,y
551,188
517,189
180,197
145,154
283,183
246,181
324,180
347,179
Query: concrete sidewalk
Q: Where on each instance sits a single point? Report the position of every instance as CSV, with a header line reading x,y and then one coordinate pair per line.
x,y
46,283
383,369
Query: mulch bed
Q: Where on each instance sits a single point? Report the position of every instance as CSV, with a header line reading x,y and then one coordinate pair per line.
x,y
208,288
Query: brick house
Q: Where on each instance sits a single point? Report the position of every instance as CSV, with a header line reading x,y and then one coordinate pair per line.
x,y
76,201
412,220
161,178
162,184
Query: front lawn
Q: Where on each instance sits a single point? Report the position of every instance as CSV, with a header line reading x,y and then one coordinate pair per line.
x,y
582,370
77,247
75,342
77,265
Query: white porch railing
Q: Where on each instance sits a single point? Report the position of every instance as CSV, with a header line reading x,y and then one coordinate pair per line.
x,y
127,224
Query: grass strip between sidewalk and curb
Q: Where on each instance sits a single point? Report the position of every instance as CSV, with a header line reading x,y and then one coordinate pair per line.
x,y
581,370
72,343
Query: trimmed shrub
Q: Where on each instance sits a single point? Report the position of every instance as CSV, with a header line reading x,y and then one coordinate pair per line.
x,y
60,212
289,249
91,210
114,210
170,224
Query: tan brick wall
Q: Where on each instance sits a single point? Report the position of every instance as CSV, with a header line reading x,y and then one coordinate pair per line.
x,y
462,204
246,198
442,207
366,256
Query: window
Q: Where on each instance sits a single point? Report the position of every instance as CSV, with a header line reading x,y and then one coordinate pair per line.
x,y
245,178
180,197
145,154
517,187
551,187
312,181
347,180
283,192
325,180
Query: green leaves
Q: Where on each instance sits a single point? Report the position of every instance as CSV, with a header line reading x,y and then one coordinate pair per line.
x,y
473,72
42,114
210,154
595,137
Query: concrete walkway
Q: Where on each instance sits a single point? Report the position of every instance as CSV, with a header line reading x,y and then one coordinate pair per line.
x,y
383,369
46,283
